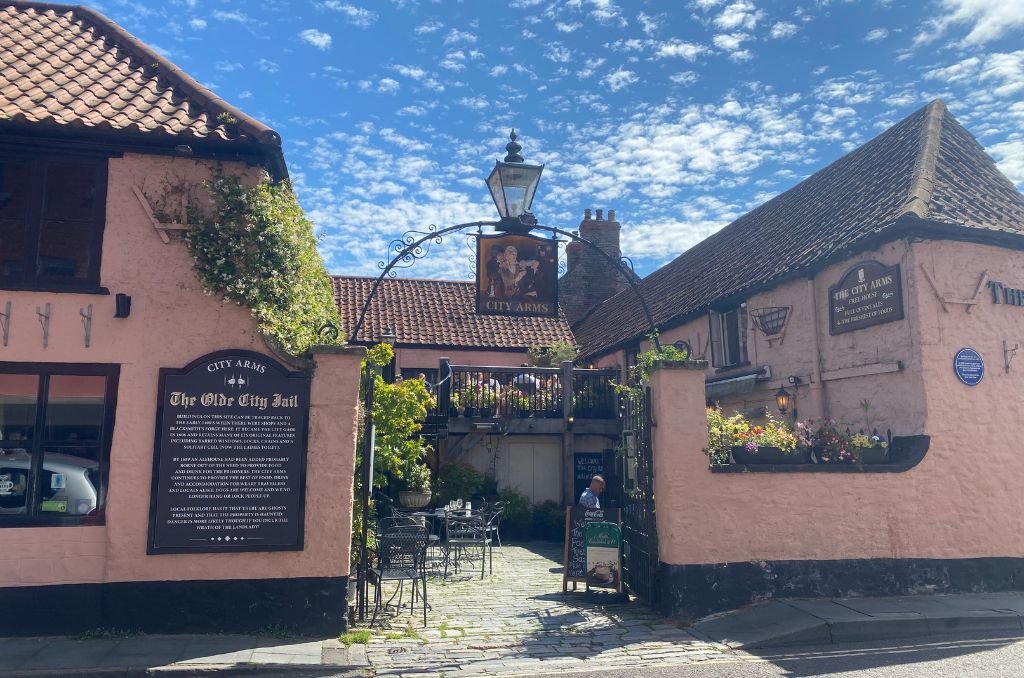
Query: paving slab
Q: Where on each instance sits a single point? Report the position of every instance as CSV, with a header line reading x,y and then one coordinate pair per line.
x,y
774,623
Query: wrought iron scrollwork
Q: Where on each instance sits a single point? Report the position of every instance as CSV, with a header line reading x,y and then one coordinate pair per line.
x,y
628,263
412,246
329,332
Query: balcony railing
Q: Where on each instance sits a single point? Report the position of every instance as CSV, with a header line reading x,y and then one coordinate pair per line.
x,y
522,392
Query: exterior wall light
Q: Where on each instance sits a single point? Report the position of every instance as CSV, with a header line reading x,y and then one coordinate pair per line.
x,y
512,185
783,399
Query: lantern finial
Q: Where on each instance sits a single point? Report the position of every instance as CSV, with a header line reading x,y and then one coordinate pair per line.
x,y
513,149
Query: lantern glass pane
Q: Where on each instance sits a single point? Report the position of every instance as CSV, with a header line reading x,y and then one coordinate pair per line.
x,y
519,183
494,186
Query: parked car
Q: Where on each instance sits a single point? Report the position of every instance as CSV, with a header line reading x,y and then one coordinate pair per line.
x,y
69,484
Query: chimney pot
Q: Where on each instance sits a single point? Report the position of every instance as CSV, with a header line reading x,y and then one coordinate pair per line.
x,y
600,215
611,215
586,213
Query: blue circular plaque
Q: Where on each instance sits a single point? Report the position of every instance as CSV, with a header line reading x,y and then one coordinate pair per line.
x,y
969,366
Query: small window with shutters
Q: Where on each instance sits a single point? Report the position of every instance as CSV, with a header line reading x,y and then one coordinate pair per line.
x,y
729,337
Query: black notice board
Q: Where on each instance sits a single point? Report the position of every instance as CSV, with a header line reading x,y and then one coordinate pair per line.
x,y
585,466
575,556
229,466
868,294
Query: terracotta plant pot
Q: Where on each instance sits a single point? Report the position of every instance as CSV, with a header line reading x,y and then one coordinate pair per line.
x,y
414,498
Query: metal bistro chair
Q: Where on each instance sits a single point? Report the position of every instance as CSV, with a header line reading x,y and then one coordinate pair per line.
x,y
401,556
492,520
463,534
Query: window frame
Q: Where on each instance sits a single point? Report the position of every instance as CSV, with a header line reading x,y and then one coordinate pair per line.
x,y
112,373
38,162
719,357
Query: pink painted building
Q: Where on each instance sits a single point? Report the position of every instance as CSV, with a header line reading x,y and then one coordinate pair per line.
x,y
103,142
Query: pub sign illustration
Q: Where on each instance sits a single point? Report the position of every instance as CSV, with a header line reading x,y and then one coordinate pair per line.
x,y
230,461
517,275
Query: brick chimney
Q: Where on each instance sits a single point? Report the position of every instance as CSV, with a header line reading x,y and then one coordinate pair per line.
x,y
590,278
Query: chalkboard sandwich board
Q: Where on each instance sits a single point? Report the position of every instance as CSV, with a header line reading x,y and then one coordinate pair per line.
x,y
575,555
229,465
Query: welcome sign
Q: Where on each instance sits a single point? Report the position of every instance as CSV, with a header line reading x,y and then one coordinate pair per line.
x,y
516,275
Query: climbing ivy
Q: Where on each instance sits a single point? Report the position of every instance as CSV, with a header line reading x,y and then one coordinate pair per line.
x,y
256,248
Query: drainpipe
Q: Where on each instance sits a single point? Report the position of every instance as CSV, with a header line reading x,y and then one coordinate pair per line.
x,y
822,409
568,437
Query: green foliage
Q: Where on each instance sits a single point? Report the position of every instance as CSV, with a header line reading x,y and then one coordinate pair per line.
x,y
458,481
554,355
517,518
399,410
257,249
641,372
350,638
488,486
549,521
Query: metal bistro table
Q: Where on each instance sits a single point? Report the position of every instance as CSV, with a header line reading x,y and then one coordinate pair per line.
x,y
435,521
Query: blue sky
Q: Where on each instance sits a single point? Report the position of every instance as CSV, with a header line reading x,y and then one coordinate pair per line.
x,y
679,115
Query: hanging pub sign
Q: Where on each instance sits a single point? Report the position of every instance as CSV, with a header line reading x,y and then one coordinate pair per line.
x,y
230,461
516,275
868,294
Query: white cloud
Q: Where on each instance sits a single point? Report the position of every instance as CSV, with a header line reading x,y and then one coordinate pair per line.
x,y
499,70
267,66
357,16
684,78
679,48
742,14
558,53
454,60
649,24
782,29
221,15
706,4
1009,155
456,36
606,11
228,66
413,110
619,79
414,72
732,43
1004,71
476,103
316,38
986,20
387,86
197,24
563,27
427,28
877,35
847,91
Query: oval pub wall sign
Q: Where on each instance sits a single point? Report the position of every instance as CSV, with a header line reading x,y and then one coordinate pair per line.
x,y
969,367
868,294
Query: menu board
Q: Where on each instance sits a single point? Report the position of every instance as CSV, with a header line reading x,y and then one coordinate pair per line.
x,y
230,461
868,294
575,557
585,466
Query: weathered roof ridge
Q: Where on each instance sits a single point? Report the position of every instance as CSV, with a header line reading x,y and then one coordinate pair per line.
x,y
923,178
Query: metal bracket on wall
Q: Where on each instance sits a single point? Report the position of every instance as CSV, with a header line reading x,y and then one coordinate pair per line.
x,y
44,320
945,300
162,227
1008,354
5,322
87,323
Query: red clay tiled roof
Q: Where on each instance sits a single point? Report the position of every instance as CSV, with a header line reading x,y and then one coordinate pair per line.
x,y
927,166
439,313
71,68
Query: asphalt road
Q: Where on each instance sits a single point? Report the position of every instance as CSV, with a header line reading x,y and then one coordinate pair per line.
x,y
955,658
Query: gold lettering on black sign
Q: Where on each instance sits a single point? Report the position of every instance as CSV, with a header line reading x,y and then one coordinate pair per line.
x,y
868,294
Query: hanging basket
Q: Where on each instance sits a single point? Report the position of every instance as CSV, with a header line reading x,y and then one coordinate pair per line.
x,y
771,320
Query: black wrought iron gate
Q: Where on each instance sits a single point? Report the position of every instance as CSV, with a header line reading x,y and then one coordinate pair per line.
x,y
636,497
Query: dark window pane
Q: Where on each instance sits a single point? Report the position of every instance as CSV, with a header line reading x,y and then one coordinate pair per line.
x,y
15,182
18,396
12,247
64,249
74,426
71,191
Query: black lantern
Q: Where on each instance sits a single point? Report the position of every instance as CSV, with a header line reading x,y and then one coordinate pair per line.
x,y
782,399
512,185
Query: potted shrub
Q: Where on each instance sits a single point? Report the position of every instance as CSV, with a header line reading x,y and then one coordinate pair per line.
x,y
722,432
830,445
455,404
768,443
488,399
417,481
522,404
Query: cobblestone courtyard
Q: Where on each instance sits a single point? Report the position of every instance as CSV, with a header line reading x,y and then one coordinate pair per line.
x,y
518,620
